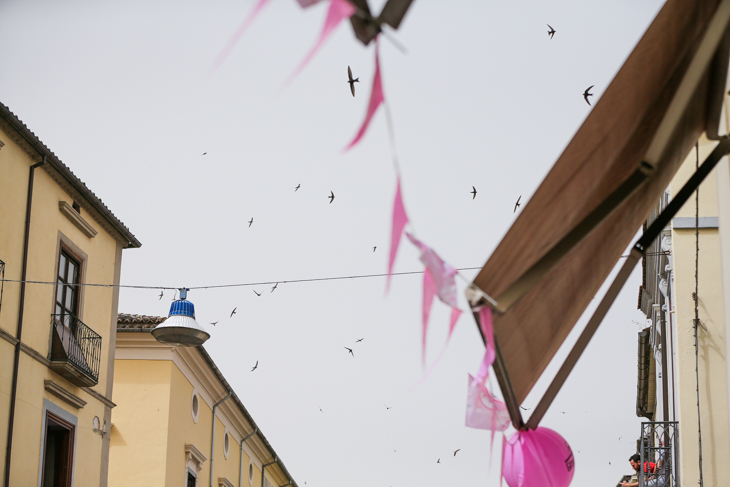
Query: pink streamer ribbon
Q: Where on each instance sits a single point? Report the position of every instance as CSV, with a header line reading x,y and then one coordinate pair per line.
x,y
237,36
438,280
338,11
399,223
376,98
483,410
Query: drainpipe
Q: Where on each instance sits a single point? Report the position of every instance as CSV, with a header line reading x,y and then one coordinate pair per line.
x,y
263,468
212,436
16,361
240,464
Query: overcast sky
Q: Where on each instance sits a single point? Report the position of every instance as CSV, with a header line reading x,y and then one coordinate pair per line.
x,y
483,97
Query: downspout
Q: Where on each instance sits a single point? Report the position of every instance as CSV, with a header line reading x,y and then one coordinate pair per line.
x,y
212,436
263,468
240,464
21,305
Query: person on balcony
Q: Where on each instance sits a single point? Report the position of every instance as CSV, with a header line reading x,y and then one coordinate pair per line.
x,y
649,468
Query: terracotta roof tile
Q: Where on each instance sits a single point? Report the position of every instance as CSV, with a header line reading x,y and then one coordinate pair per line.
x,y
138,322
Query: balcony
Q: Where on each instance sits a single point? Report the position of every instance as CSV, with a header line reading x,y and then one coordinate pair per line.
x,y
659,445
75,350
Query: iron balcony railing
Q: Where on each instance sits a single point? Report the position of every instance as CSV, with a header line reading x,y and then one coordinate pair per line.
x,y
660,447
80,344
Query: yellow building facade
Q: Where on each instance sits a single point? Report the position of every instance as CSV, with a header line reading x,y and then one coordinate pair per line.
x,y
689,384
163,430
56,336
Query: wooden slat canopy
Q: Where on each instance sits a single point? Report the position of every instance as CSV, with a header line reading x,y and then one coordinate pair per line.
x,y
572,232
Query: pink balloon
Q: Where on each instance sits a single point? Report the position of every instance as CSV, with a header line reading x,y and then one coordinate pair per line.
x,y
539,458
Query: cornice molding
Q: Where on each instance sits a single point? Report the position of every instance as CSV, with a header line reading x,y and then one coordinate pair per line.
x,y
77,219
192,454
224,482
63,394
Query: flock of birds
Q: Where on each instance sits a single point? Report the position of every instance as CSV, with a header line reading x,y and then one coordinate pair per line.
x,y
351,81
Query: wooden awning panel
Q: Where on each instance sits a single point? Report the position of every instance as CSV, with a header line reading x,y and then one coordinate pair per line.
x,y
607,149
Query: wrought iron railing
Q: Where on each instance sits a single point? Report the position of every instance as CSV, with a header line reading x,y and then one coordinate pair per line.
x,y
81,344
659,446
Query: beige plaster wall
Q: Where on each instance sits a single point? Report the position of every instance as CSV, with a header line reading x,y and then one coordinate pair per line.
x,y
139,437
712,343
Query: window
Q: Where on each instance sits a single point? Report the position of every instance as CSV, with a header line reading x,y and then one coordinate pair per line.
x,y
192,480
226,444
195,407
67,293
58,452
250,472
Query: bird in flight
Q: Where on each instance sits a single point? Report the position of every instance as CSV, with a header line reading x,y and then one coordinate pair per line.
x,y
275,286
524,409
320,410
160,295
255,366
517,205
351,81
257,294
250,222
457,451
387,407
551,32
295,189
586,94
233,312
375,248
358,341
215,322
438,461
331,197
350,350
204,153
473,192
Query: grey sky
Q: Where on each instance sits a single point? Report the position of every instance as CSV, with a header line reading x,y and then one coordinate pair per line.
x,y
483,97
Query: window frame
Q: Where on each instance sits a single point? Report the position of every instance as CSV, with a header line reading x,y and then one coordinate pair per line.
x,y
65,252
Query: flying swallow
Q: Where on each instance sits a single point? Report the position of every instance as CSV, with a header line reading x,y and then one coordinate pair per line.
x,y
517,205
551,32
358,341
473,192
255,366
350,350
204,153
525,409
457,451
375,248
257,294
215,323
586,94
331,197
250,222
161,292
438,461
351,81
387,407
275,286
233,312
320,410
295,189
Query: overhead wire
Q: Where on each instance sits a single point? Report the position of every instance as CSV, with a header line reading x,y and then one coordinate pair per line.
x,y
220,286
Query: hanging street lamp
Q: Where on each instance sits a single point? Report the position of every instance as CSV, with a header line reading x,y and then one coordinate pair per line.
x,y
180,328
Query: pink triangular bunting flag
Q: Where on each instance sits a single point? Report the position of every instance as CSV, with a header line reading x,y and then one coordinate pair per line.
x,y
338,11
400,218
237,35
376,98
